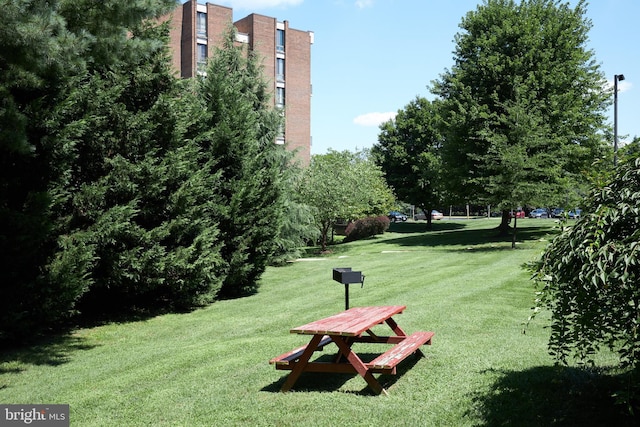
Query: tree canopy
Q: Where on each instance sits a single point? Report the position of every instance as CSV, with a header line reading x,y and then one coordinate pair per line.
x,y
122,188
408,152
523,104
238,134
344,185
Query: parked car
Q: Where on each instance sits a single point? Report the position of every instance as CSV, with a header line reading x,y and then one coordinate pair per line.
x,y
435,215
575,214
557,213
395,216
539,213
517,214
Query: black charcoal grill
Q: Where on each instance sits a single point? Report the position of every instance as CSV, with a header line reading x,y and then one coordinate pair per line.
x,y
346,276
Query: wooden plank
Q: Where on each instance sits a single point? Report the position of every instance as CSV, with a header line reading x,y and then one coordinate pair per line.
x,y
349,322
352,322
324,367
359,365
379,339
371,316
286,358
402,350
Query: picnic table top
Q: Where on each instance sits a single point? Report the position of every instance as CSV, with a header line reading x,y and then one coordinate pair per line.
x,y
351,322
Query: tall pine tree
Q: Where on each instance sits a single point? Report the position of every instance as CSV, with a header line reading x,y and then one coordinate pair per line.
x,y
239,131
136,197
39,58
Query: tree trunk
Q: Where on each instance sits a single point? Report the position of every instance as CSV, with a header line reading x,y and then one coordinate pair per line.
x,y
503,228
427,216
323,237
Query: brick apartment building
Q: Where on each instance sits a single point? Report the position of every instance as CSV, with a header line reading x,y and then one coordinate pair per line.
x,y
196,29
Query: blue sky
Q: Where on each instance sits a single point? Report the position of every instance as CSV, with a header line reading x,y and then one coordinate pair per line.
x,y
372,57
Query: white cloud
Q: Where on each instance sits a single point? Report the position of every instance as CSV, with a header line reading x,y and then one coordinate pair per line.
x,y
259,4
623,85
374,119
361,4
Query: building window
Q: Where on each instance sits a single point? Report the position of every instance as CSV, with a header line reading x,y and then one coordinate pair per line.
x,y
280,97
280,40
201,56
280,69
201,25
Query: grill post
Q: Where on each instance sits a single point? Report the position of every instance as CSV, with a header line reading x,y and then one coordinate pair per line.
x,y
346,276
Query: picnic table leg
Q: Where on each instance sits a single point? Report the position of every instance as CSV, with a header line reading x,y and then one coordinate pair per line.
x,y
356,362
302,363
398,331
340,357
395,328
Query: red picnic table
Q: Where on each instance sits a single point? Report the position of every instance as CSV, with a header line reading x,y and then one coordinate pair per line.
x,y
344,329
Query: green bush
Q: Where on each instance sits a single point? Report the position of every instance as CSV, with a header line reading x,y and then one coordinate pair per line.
x,y
590,275
366,227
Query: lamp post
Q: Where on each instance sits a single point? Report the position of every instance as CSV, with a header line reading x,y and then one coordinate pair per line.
x,y
616,78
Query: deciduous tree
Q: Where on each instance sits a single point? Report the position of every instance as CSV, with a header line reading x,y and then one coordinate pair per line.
x,y
522,105
590,275
408,152
344,185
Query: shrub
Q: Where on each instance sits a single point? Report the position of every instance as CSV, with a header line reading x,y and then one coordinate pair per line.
x,y
366,227
590,275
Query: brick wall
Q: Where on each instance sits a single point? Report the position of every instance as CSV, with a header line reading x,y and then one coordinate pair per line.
x,y
298,91
219,19
262,39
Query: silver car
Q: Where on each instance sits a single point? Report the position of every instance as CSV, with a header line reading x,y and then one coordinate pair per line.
x,y
539,213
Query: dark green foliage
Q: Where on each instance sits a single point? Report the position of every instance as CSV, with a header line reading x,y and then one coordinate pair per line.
x,y
408,152
366,227
38,57
238,140
298,229
591,272
522,105
141,203
123,188
102,202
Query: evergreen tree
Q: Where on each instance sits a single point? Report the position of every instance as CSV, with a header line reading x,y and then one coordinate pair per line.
x,y
100,196
137,197
38,60
298,229
239,131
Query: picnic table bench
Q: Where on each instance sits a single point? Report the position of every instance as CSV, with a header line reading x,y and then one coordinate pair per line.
x,y
345,329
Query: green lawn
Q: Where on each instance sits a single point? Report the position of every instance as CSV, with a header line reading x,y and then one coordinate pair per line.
x,y
210,367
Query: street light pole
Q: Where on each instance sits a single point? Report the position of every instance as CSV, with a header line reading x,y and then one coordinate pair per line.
x,y
616,79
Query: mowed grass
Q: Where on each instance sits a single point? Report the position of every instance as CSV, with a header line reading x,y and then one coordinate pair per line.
x,y
210,367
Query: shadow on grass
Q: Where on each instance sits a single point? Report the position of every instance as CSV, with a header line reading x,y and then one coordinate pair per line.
x,y
329,382
554,396
456,236
51,351
444,234
422,227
